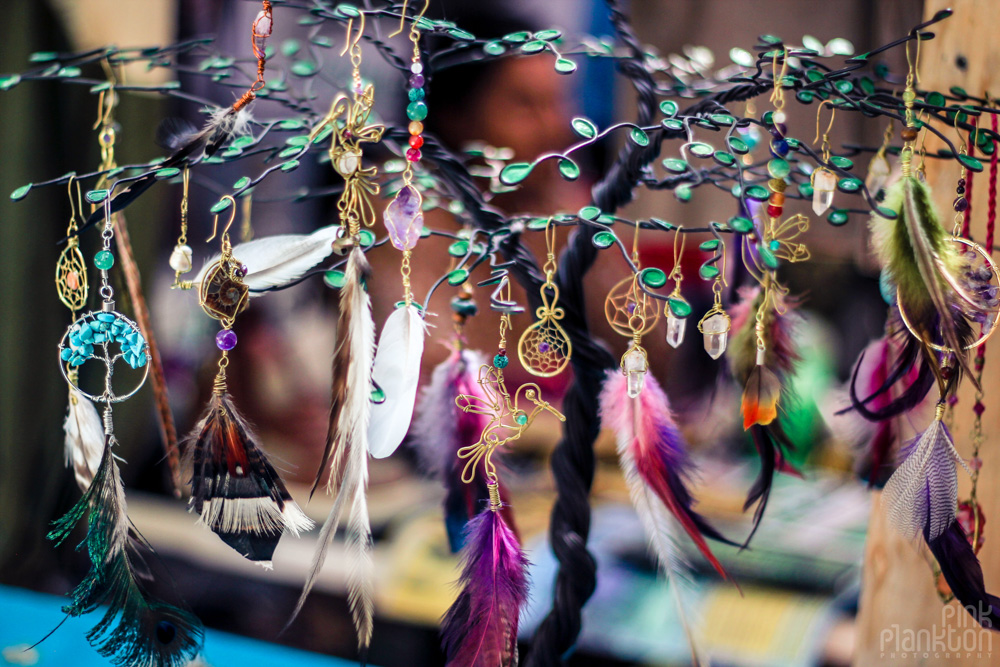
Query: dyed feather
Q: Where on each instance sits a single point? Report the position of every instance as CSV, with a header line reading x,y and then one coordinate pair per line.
x,y
440,428
882,437
916,251
84,438
760,397
347,447
964,575
135,629
480,628
396,371
234,489
908,381
275,261
922,494
188,146
653,455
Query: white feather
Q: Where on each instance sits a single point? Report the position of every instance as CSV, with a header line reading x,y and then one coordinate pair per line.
x,y
273,261
660,527
84,438
397,372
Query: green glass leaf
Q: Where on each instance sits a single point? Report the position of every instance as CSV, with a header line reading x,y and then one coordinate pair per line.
x,y
548,35
589,212
711,244
837,217
843,86
425,232
537,224
242,142
168,172
288,152
653,277
700,149
220,206
366,238
849,184
683,193
347,10
584,127
304,68
708,272
96,196
291,165
639,137
805,96
300,140
462,35
724,158
663,224
565,66
242,183
738,146
741,225
722,119
741,57
679,307
603,239
767,257
935,98
534,46
334,279
43,56
494,48
377,395
516,37
21,192
806,190
457,277
668,107
290,47
515,172
958,91
322,41
675,165
757,193
569,169
842,162
9,81
673,124
971,163
458,249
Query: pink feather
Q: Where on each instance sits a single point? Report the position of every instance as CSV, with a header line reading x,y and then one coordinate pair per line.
x,y
480,628
652,451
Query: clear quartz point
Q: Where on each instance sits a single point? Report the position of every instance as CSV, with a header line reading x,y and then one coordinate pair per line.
x,y
878,174
675,330
824,184
635,365
716,330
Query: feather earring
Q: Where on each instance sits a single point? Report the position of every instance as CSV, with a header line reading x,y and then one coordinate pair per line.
x,y
655,461
135,629
346,452
234,489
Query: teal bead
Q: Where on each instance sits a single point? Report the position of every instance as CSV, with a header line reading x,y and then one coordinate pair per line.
x,y
416,110
521,419
416,94
501,361
778,168
66,354
775,245
104,260
106,317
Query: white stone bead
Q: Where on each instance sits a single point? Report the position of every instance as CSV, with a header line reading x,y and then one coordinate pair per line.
x,y
180,258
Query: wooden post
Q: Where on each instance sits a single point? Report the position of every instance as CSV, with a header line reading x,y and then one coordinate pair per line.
x,y
898,599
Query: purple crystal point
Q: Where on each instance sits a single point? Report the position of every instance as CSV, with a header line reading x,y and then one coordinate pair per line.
x,y
404,218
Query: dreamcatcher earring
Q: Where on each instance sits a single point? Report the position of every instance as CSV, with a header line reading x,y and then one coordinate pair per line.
x,y
632,312
347,445
544,348
234,489
396,370
84,431
483,620
134,624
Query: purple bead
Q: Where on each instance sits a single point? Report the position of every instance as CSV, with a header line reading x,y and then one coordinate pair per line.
x,y
979,409
225,339
953,400
961,182
544,347
631,308
960,189
417,81
961,204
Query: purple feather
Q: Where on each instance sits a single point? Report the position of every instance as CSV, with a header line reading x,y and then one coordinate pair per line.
x,y
480,628
964,575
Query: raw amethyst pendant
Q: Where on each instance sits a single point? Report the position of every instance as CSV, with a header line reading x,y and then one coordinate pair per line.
x,y
404,218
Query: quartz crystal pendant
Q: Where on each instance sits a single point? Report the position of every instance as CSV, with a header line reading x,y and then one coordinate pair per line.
x,y
716,330
180,259
635,365
675,330
404,218
824,183
348,163
878,174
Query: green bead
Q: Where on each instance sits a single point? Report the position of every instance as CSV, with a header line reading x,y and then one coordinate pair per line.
x,y
416,111
521,419
778,168
416,94
104,260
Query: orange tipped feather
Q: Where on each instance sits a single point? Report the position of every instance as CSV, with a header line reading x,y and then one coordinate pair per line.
x,y
760,397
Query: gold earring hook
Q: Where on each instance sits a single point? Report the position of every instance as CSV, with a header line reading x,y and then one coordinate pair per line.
x,y
819,111
913,75
69,193
402,15
232,217
351,43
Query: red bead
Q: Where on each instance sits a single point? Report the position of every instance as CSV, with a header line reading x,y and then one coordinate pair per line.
x,y
416,141
774,211
413,155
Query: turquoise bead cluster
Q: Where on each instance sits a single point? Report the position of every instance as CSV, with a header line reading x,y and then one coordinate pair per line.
x,y
104,329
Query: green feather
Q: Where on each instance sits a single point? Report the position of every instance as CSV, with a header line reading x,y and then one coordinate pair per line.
x,y
741,352
135,630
